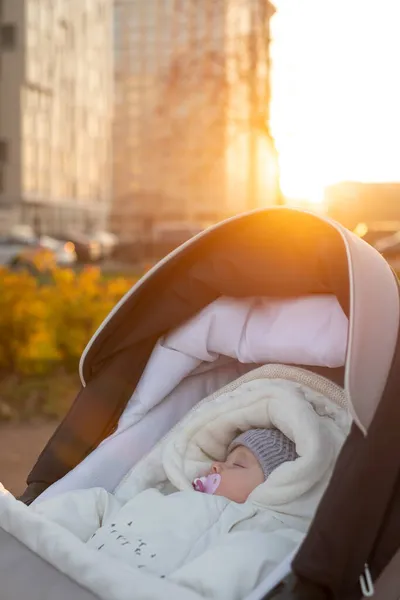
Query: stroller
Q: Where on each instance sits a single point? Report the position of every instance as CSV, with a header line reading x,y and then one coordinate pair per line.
x,y
352,548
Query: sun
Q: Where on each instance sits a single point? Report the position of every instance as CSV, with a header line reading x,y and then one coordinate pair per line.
x,y
299,183
334,109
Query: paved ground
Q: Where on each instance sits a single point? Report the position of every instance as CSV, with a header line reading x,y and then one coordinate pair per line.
x,y
20,445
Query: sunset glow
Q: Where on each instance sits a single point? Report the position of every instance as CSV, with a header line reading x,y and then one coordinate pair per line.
x,y
336,99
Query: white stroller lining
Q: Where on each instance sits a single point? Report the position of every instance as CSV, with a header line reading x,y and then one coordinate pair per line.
x,y
310,330
110,462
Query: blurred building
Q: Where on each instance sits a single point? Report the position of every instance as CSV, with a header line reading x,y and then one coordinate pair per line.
x,y
352,203
191,112
56,85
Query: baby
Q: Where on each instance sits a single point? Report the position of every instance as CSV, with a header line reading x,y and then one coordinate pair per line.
x,y
165,533
252,457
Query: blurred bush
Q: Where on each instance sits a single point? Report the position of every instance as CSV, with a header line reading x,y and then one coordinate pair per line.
x,y
45,323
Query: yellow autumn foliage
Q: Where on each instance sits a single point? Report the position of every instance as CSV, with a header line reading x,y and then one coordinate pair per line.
x,y
48,323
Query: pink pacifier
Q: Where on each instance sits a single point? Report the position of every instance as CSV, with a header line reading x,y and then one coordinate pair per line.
x,y
207,484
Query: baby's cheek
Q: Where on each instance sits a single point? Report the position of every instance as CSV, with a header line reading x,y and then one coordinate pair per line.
x,y
220,491
226,488
223,488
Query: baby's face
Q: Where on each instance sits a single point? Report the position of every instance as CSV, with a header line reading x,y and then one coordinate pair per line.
x,y
240,474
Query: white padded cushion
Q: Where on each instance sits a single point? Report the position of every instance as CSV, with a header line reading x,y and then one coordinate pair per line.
x,y
311,330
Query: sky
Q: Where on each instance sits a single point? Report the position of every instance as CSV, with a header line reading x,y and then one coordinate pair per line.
x,y
336,93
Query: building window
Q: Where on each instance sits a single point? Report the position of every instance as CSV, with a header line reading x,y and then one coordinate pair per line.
x,y
8,36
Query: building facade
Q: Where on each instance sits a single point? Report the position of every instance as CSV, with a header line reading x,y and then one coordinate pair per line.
x,y
188,76
56,89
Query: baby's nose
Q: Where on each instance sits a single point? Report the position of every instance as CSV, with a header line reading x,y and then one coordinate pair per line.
x,y
217,467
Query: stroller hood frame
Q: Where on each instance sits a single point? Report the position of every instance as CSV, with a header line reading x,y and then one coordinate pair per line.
x,y
371,301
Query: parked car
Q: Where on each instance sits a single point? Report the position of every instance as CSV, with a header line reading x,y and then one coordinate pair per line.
x,y
87,250
64,251
158,242
384,237
21,248
373,232
108,243
389,247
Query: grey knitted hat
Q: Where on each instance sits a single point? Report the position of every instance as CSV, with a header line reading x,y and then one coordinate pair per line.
x,y
270,446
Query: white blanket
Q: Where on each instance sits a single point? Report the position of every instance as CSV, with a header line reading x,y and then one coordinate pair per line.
x,y
305,407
